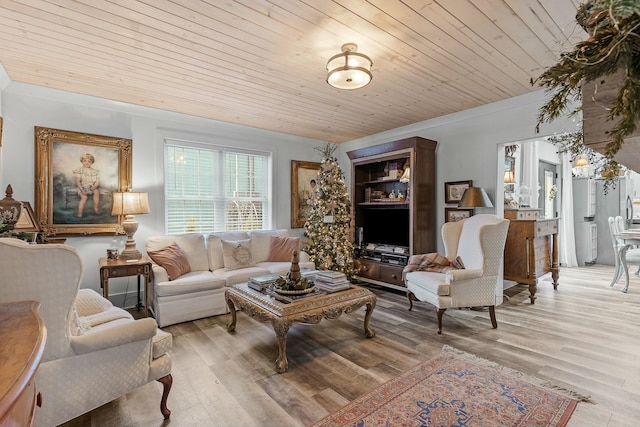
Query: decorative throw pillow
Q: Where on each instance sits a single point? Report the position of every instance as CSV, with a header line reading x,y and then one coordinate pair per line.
x,y
173,259
282,248
237,254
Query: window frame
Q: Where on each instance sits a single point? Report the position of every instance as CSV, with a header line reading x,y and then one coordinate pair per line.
x,y
219,196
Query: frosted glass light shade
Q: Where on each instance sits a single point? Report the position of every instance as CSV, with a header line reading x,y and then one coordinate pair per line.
x,y
349,69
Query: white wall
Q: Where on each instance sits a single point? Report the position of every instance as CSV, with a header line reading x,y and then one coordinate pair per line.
x,y
467,149
468,142
25,106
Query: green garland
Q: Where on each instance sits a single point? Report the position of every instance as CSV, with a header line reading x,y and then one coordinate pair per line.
x,y
613,45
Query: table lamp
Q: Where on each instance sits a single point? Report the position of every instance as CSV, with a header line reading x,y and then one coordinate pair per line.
x,y
130,204
475,197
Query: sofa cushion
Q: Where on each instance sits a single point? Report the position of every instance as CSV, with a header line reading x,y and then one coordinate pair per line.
x,y
241,275
237,254
195,281
173,259
281,267
282,248
261,242
193,245
214,246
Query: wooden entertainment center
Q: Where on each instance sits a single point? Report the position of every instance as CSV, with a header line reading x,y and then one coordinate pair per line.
x,y
394,217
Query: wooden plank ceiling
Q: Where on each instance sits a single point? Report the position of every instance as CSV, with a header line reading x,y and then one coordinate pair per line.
x,y
262,63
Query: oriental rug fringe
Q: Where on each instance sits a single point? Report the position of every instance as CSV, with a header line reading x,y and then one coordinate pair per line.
x,y
459,389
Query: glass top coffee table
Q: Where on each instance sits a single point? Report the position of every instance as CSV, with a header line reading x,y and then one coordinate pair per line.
x,y
310,310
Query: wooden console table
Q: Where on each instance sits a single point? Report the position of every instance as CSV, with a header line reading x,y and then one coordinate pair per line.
x,y
22,338
531,251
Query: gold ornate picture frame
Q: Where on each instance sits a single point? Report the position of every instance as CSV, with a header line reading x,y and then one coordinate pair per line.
x,y
76,175
303,176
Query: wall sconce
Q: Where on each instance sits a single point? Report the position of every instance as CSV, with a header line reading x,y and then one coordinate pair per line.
x,y
130,204
349,69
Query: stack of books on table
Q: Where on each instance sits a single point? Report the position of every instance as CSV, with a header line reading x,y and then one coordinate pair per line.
x,y
260,283
331,281
309,274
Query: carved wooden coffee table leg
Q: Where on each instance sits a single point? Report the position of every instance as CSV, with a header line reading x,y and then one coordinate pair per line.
x,y
281,327
231,326
368,330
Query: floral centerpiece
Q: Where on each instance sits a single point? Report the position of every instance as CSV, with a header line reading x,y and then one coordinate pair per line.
x,y
293,282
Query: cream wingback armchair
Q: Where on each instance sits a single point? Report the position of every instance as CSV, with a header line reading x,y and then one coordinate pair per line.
x,y
478,242
94,352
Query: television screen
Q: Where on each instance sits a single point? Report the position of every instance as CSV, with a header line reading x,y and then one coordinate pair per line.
x,y
386,226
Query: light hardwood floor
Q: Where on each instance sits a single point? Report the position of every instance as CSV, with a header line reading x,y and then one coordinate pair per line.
x,y
585,337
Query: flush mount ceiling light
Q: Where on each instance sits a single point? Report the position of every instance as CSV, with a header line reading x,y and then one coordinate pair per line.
x,y
349,69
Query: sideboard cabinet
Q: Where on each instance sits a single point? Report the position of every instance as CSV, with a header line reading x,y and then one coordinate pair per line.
x,y
393,207
531,251
22,339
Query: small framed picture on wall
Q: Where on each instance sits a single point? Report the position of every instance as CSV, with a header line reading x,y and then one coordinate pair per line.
x,y
454,190
456,214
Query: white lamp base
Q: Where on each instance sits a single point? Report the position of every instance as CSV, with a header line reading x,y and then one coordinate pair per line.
x,y
130,226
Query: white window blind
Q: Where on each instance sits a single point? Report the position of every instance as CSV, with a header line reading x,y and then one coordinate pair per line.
x,y
210,189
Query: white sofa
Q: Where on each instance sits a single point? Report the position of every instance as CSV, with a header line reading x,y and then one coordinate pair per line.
x,y
200,292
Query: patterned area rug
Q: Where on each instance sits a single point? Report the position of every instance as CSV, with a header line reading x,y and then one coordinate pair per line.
x,y
458,389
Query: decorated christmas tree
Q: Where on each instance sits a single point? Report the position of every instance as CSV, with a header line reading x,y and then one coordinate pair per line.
x,y
328,228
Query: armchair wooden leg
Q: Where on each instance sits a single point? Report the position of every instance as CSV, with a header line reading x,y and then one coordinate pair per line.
x,y
410,296
167,382
492,315
440,312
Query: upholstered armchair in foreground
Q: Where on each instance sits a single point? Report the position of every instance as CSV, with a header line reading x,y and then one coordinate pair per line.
x,y
476,243
94,352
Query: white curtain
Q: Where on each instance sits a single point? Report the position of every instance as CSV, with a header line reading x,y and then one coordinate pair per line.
x,y
529,177
566,234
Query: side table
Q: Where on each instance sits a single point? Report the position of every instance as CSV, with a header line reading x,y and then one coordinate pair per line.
x,y
126,268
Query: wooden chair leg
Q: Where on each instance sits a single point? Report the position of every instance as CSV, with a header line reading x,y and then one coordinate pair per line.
x,y
167,382
440,312
492,315
410,296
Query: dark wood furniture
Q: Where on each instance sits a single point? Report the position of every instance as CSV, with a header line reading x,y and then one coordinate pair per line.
x,y
126,268
531,251
22,338
389,230
282,316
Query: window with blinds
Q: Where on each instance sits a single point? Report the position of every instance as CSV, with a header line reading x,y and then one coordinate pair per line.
x,y
210,189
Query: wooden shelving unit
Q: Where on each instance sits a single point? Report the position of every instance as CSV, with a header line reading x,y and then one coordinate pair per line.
x,y
392,229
